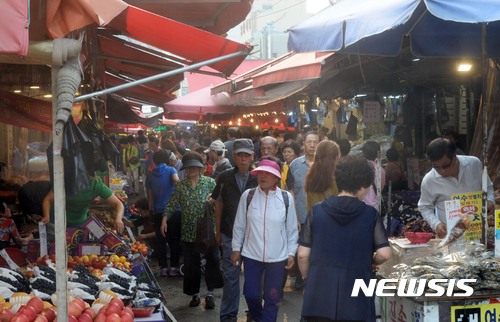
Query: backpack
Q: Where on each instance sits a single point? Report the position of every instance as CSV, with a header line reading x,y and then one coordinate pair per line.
x,y
285,199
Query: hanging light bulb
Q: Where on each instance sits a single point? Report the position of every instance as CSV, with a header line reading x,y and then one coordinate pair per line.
x,y
276,120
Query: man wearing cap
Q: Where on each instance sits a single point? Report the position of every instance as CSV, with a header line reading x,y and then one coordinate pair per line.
x,y
230,186
217,153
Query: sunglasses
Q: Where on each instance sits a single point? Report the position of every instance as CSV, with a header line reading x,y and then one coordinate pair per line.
x,y
444,166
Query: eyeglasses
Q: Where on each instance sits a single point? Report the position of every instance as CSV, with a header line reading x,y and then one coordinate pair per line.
x,y
444,166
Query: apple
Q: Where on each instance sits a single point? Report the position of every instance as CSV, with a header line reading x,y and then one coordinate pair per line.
x,y
71,318
40,318
113,308
118,301
29,312
103,309
49,314
80,302
19,317
90,312
125,317
6,316
100,318
113,317
36,303
129,311
85,318
74,309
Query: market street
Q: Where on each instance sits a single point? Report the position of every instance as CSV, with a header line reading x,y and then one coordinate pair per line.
x,y
177,302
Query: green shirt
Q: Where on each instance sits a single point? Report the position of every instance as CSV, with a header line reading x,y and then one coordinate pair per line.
x,y
191,201
77,206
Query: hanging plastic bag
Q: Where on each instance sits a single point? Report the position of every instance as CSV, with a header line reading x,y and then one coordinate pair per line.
x,y
90,128
77,152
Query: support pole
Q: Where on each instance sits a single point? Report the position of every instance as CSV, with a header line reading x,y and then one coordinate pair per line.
x,y
159,76
64,80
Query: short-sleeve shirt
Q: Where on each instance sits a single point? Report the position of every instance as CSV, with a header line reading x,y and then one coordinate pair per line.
x,y
77,206
295,182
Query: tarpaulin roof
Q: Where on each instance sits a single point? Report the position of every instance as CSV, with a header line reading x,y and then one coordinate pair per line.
x,y
436,28
274,80
191,43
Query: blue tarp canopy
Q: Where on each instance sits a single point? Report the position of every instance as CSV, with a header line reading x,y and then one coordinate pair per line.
x,y
435,28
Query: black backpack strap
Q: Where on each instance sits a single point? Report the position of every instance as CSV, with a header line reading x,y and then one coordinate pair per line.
x,y
250,196
283,192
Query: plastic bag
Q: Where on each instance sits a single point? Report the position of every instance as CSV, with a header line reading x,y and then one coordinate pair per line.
x,y
77,154
90,128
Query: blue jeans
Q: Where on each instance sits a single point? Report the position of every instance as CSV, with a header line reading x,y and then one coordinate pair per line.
x,y
273,277
231,291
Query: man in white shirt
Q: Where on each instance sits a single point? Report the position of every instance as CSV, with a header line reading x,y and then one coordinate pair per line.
x,y
450,174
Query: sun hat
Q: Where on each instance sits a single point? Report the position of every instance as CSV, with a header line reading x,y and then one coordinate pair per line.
x,y
267,166
216,145
243,145
192,163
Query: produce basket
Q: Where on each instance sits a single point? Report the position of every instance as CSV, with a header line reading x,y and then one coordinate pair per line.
x,y
419,237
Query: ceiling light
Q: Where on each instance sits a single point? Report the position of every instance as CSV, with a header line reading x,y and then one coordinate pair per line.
x,y
276,120
17,91
47,95
415,59
361,95
464,67
35,87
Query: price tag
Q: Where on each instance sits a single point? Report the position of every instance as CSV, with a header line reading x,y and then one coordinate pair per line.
x,y
9,260
42,229
130,234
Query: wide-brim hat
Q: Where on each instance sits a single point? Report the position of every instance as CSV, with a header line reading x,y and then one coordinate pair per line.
x,y
267,166
192,163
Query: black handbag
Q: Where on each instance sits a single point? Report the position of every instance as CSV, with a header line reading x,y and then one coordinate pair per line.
x,y
205,230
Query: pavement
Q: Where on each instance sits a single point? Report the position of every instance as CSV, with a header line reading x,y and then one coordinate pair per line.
x,y
177,302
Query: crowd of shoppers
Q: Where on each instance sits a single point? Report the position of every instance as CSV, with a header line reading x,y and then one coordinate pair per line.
x,y
273,194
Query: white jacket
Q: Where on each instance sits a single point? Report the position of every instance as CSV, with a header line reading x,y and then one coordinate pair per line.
x,y
265,233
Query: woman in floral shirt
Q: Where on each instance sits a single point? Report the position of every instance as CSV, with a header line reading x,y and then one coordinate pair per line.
x,y
191,194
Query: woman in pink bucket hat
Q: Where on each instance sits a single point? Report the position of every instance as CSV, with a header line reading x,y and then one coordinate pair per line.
x,y
265,235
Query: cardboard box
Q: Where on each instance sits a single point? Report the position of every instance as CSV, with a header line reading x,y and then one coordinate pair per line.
x,y
76,236
89,249
33,250
114,244
94,226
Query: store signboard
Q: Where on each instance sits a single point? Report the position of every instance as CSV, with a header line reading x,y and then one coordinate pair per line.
x,y
476,313
371,112
471,204
497,233
395,309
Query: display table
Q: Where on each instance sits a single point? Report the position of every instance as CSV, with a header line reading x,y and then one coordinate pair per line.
x,y
482,305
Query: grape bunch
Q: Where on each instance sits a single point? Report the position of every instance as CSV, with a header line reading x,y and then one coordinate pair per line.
x,y
123,282
87,281
83,271
47,272
20,287
43,285
122,293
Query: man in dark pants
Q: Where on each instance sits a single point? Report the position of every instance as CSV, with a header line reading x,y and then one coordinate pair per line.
x,y
230,185
160,184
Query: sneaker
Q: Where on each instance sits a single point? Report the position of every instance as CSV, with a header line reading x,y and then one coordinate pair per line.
x,y
163,272
174,272
209,302
195,301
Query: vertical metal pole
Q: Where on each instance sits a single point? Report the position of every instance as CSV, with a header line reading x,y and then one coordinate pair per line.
x,y
484,111
59,207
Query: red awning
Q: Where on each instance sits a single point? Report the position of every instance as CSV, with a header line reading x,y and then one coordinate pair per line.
x,y
198,104
190,43
25,112
275,80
